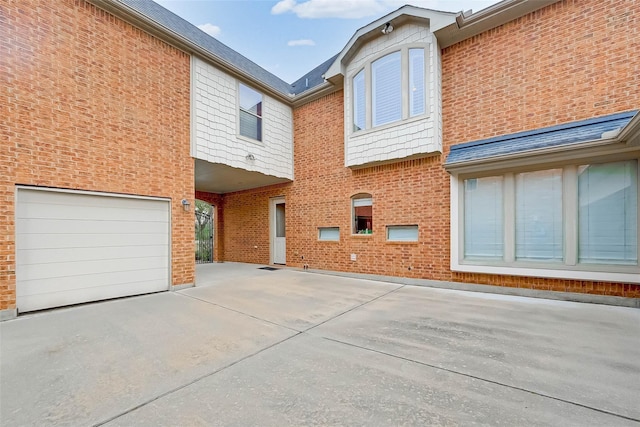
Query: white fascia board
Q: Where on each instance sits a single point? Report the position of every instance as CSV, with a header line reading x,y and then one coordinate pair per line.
x,y
493,16
435,19
630,134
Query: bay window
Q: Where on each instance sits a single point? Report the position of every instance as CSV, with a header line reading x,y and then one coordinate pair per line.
x,y
389,89
580,217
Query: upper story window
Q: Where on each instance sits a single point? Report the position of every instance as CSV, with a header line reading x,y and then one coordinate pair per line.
x,y
250,113
396,83
386,89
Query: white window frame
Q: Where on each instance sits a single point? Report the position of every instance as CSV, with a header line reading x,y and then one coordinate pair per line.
x,y
239,111
570,268
412,227
405,85
360,199
330,237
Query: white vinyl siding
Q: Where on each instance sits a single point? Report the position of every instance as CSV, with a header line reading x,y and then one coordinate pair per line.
x,y
77,247
539,234
417,93
386,88
483,218
608,213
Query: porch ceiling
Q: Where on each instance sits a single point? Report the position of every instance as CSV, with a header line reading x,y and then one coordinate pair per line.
x,y
219,178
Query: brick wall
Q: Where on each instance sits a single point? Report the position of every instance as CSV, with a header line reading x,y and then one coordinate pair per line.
x,y
569,61
89,102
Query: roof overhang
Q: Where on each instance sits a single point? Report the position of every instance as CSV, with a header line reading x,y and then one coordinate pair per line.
x,y
620,135
435,20
160,31
469,25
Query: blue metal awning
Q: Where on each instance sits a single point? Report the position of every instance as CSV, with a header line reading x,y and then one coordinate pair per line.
x,y
575,133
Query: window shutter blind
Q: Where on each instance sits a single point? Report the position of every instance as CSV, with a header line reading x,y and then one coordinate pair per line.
x,y
483,218
386,74
608,213
416,82
539,234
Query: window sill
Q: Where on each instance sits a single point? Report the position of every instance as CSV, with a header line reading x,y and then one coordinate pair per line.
x,y
250,140
329,241
380,128
402,242
362,236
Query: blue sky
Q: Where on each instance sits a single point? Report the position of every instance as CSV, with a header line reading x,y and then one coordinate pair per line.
x,y
291,37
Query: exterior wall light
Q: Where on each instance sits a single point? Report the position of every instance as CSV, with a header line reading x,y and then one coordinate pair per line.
x,y
387,28
250,157
186,205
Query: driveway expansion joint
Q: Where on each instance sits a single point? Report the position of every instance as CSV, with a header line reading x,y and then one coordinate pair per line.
x,y
452,371
242,359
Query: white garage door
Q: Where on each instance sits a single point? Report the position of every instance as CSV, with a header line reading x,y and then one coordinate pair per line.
x,y
77,247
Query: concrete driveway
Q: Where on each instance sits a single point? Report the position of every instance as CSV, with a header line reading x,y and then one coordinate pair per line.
x,y
256,347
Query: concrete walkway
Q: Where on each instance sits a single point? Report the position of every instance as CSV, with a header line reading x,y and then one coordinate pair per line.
x,y
285,347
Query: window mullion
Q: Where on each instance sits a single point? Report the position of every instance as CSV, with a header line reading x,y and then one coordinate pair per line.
x,y
509,218
570,203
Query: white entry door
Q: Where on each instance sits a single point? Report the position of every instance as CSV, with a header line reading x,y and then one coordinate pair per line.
x,y
278,231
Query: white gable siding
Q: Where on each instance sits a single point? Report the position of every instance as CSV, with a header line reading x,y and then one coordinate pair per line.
x,y
214,121
411,137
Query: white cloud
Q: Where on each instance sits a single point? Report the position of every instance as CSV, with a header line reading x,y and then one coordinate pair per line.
x,y
212,30
301,42
283,6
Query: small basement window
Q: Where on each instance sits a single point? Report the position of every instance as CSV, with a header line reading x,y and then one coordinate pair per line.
x,y
330,234
402,233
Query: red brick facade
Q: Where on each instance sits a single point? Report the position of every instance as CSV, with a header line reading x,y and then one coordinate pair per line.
x,y
89,102
570,61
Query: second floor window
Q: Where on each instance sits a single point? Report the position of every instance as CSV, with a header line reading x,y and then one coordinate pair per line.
x,y
250,113
396,83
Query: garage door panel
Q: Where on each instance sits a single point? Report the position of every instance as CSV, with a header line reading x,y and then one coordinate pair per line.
x,y
93,200
66,212
51,285
80,268
51,241
82,226
42,256
76,296
74,247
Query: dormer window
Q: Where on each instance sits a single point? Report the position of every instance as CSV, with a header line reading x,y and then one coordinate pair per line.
x,y
389,89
